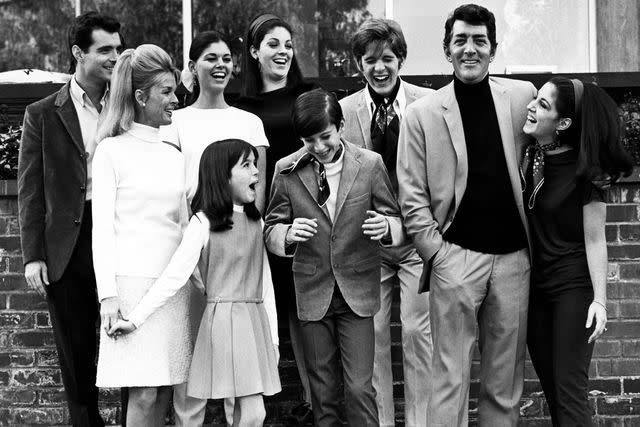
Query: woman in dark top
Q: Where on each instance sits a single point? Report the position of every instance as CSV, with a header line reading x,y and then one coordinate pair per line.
x,y
577,133
271,82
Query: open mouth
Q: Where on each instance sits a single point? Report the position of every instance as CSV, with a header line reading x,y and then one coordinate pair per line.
x,y
219,75
252,186
531,119
381,79
280,61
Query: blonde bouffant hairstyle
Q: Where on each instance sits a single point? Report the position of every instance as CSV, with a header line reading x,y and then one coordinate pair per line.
x,y
136,69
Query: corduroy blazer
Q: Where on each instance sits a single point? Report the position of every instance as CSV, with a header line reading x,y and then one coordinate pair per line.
x,y
52,181
432,163
339,253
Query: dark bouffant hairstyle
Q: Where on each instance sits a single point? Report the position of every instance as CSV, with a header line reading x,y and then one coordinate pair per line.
x,y
200,42
80,32
213,195
596,130
313,111
474,15
251,82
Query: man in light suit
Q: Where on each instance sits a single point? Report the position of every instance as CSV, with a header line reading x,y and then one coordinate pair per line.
x,y
331,206
461,198
54,204
380,49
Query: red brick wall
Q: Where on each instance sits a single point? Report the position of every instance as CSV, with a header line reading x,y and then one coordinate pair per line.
x,y
31,390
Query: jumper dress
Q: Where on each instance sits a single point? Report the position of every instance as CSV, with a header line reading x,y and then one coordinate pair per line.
x,y
234,354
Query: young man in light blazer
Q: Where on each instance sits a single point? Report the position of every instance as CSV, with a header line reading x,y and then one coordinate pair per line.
x,y
461,199
331,207
372,121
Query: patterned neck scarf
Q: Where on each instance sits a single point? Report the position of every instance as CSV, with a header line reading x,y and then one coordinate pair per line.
x,y
534,159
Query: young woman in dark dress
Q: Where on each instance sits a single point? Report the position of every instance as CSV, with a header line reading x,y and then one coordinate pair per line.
x,y
271,82
577,133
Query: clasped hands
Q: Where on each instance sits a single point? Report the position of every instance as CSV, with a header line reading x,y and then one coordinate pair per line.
x,y
375,226
112,322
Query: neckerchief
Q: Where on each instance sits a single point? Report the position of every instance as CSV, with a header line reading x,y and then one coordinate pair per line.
x,y
534,159
385,126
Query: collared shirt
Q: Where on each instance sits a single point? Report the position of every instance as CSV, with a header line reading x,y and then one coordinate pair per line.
x,y
399,104
88,118
334,172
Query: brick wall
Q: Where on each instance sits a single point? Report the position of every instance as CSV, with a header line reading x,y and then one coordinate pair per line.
x,y
31,390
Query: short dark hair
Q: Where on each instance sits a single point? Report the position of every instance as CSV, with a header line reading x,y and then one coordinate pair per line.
x,y
256,30
213,195
474,15
313,111
81,29
198,45
596,130
382,32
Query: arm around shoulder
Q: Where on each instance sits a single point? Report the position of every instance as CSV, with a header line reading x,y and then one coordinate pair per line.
x,y
279,217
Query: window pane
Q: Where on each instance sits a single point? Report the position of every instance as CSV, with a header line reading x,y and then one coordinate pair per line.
x,y
322,28
34,34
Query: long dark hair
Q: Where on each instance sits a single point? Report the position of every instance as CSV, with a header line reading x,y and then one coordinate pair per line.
x,y
596,129
200,42
257,29
213,195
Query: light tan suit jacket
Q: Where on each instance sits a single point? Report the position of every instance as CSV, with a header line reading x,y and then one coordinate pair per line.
x,y
432,160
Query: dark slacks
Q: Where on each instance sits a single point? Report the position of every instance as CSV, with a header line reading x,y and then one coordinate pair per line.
x,y
353,336
557,341
74,310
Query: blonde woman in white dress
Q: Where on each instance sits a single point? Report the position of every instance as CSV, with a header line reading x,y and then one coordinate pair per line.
x,y
138,216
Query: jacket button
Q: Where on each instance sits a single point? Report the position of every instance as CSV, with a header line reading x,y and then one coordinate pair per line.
x,y
335,265
76,222
333,238
83,188
86,155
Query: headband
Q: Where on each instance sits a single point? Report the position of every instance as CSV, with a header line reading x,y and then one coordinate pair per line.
x,y
259,21
578,89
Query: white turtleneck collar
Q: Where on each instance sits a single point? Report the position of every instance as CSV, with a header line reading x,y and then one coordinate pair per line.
x,y
144,132
238,208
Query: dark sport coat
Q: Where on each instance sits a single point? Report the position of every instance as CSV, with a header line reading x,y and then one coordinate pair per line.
x,y
52,181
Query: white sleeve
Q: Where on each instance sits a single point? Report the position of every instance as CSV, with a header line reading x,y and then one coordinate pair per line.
x,y
259,138
103,208
176,274
269,298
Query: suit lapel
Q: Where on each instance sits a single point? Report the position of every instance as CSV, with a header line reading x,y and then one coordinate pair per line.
x,y
409,94
364,119
350,169
456,131
69,117
502,102
308,177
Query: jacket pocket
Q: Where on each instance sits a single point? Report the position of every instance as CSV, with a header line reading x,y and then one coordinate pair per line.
x,y
299,267
357,199
366,264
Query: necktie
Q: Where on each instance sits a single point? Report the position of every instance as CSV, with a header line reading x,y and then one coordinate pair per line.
x,y
534,159
321,175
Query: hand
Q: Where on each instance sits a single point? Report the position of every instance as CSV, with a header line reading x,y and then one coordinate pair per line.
x,y
121,327
301,230
109,312
603,182
597,311
37,276
376,226
276,349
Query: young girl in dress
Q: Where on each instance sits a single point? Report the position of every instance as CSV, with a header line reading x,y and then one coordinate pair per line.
x,y
236,351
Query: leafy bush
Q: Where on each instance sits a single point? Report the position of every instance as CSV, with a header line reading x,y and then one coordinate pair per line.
x,y
9,144
630,112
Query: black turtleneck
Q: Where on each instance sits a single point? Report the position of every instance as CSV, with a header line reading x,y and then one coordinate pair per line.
x,y
487,219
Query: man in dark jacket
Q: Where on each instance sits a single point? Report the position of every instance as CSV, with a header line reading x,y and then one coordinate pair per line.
x,y
54,202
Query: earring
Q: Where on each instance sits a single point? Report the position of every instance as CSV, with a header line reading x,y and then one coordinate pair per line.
x,y
557,134
144,104
449,58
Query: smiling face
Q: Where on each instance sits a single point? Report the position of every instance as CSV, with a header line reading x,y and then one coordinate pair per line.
x,y
214,67
159,102
274,54
380,68
243,180
98,61
542,116
469,51
325,144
